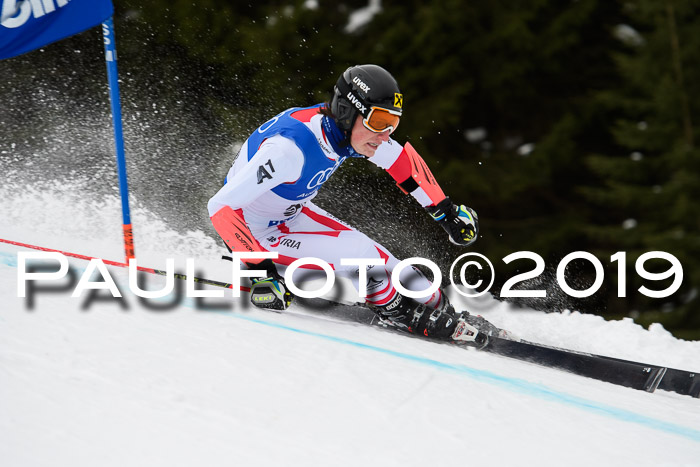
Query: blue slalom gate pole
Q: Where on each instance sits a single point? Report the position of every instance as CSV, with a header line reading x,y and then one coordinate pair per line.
x,y
111,60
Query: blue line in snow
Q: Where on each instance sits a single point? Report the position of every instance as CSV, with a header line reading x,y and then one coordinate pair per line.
x,y
512,384
8,259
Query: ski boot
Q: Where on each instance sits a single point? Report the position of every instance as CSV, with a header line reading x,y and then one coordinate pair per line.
x,y
440,323
467,324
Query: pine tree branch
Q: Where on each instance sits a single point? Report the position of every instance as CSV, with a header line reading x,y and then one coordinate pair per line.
x,y
678,68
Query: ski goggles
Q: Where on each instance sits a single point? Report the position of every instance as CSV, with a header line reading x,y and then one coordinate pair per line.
x,y
380,119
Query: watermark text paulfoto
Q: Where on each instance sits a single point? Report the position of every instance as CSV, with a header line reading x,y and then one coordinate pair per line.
x,y
29,275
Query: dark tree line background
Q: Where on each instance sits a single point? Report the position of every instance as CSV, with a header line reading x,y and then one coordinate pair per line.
x,y
567,125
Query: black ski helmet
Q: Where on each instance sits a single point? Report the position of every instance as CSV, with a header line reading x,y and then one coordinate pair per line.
x,y
358,89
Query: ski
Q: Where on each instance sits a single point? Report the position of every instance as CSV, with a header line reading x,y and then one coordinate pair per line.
x,y
627,373
682,382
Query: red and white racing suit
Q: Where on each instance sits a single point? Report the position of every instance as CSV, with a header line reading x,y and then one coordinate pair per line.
x,y
297,228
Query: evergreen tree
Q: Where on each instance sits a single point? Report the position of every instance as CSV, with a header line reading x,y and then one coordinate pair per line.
x,y
649,191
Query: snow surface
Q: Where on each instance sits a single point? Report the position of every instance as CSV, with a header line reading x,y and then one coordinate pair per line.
x,y
89,383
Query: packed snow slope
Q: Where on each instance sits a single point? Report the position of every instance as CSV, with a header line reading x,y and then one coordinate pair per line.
x,y
118,382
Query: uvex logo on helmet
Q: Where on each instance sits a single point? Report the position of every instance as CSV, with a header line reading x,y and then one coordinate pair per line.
x,y
360,84
357,103
15,13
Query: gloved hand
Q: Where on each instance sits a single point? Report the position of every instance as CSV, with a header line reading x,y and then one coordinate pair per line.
x,y
460,222
270,291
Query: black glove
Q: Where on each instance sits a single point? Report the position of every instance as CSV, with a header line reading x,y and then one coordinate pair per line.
x,y
270,291
460,222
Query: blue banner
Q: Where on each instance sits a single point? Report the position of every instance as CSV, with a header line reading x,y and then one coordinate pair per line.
x,y
26,25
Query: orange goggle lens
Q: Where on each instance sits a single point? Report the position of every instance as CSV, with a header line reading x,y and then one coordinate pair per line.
x,y
379,120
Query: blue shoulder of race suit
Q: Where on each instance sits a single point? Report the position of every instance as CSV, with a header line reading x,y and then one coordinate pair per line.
x,y
319,163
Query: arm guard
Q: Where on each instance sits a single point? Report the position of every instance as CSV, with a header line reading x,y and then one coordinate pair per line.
x,y
413,177
229,224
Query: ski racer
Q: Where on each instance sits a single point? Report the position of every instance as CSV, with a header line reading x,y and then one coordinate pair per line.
x,y
266,202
